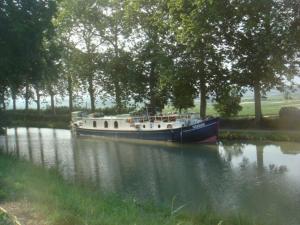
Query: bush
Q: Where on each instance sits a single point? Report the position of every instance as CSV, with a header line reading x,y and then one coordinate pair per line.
x,y
228,103
289,118
291,113
2,131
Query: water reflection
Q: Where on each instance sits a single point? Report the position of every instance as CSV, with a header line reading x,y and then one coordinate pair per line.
x,y
260,180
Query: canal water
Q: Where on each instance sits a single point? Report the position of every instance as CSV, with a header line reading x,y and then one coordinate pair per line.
x,y
259,180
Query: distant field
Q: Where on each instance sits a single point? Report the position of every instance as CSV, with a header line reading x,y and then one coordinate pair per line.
x,y
270,107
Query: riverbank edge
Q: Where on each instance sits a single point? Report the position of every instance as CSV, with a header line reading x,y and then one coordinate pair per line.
x,y
70,204
224,134
39,124
259,135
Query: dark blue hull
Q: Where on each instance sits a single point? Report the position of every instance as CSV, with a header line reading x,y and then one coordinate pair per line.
x,y
206,131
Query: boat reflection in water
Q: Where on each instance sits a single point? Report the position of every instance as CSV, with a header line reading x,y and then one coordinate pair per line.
x,y
258,180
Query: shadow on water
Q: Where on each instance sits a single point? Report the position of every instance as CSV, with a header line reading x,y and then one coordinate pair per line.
x,y
256,179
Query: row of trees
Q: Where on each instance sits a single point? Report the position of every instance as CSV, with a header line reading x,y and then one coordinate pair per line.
x,y
148,51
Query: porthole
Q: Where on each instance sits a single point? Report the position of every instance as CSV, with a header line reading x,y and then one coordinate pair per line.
x,y
169,126
158,126
116,125
94,124
144,126
105,124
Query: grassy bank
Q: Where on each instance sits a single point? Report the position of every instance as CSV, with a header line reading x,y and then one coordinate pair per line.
x,y
32,118
63,203
270,129
270,106
6,219
259,135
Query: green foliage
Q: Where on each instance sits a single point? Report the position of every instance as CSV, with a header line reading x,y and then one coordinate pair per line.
x,y
151,50
182,82
147,51
183,95
201,40
262,33
24,27
228,102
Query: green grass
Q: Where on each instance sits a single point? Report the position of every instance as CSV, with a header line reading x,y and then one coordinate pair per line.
x,y
270,107
64,203
32,118
5,219
40,124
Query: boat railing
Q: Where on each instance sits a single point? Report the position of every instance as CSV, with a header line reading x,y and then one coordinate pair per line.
x,y
142,119
158,118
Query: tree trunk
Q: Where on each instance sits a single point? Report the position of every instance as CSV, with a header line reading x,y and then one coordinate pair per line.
x,y
3,101
118,97
257,100
90,77
70,92
92,93
38,99
14,99
52,103
27,96
203,103
152,87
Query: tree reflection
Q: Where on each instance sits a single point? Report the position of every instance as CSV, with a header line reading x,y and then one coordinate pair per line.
x,y
41,145
225,177
17,147
260,159
233,150
29,144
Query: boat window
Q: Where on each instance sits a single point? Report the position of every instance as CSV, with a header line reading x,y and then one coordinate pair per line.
x,y
94,124
105,124
169,126
144,126
116,125
158,125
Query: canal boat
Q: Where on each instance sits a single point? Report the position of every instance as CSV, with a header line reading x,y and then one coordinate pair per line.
x,y
175,128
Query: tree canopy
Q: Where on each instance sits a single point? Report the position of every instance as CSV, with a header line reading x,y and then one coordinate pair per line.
x,y
152,52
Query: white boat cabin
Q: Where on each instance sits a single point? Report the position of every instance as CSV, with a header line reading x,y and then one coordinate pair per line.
x,y
128,123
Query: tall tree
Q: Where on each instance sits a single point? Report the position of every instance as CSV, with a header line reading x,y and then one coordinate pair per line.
x,y
152,48
79,30
24,26
200,27
263,45
114,31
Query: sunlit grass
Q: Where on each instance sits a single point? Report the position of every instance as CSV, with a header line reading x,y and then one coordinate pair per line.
x,y
270,107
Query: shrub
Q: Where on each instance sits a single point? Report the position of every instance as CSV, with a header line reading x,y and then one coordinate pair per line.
x,y
290,113
228,103
289,118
